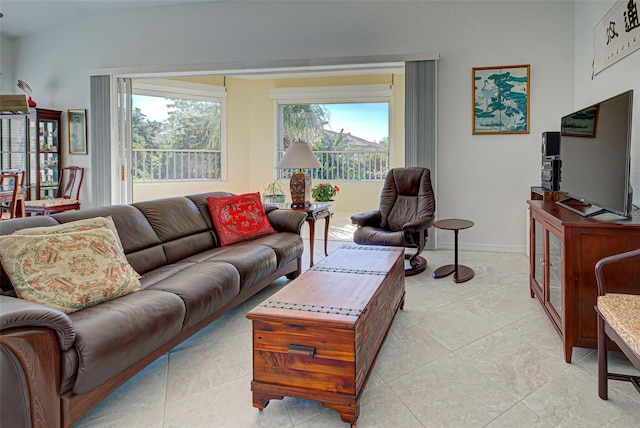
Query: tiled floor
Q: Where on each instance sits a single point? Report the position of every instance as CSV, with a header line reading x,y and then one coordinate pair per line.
x,y
476,354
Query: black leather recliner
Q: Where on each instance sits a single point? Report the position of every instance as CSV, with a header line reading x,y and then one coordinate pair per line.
x,y
407,210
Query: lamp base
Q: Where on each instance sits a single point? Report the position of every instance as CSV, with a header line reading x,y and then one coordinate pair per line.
x,y
300,186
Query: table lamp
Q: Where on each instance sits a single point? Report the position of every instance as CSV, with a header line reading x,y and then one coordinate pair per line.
x,y
299,156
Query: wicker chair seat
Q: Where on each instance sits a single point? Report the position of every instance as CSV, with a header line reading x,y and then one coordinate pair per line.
x,y
622,312
55,202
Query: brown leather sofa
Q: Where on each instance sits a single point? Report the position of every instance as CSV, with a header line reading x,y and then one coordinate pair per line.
x,y
55,367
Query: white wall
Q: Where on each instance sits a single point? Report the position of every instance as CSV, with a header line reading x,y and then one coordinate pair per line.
x,y
483,178
619,77
8,78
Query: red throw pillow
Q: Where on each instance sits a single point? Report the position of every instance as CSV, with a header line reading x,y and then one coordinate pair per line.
x,y
239,217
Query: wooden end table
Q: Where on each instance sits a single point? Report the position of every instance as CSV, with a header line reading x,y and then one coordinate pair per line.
x,y
460,273
314,213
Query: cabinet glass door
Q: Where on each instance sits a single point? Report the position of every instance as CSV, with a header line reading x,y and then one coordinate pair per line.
x,y
48,132
538,253
555,272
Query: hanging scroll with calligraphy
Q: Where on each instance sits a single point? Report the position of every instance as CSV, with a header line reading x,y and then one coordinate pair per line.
x,y
617,35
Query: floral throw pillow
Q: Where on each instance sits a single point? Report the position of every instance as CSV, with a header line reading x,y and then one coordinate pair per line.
x,y
75,226
239,217
67,271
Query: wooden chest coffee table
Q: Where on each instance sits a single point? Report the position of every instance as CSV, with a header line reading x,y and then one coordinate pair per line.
x,y
319,336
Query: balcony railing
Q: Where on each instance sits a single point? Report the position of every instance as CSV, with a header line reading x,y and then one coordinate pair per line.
x,y
347,165
152,165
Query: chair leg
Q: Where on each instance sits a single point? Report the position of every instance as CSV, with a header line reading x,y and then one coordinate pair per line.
x,y
603,374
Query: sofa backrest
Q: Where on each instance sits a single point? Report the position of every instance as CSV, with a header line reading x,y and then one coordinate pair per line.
x,y
153,233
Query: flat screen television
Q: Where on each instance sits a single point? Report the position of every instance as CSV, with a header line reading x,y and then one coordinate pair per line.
x,y
595,151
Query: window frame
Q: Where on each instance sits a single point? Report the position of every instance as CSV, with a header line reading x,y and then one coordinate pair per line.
x,y
331,95
167,88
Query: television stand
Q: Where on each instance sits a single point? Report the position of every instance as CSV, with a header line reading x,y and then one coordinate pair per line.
x,y
582,208
564,249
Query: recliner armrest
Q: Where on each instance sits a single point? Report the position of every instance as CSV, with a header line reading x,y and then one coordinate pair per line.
x,y
367,218
19,313
418,224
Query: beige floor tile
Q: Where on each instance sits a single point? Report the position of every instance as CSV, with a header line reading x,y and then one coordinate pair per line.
x,y
502,305
571,399
449,393
406,348
226,406
512,363
618,363
453,326
517,417
540,333
380,406
208,365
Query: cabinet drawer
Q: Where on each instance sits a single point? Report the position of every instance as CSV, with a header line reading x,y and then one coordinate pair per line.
x,y
300,355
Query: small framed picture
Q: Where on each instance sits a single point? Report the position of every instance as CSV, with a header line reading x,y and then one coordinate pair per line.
x,y
77,121
500,99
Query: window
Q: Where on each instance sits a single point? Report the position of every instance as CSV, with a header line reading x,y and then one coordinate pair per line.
x,y
349,132
177,132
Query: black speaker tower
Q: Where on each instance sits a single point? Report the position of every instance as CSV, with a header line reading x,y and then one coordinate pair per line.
x,y
551,162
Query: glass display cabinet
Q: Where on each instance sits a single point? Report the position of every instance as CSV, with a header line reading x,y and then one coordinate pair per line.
x,y
49,153
32,142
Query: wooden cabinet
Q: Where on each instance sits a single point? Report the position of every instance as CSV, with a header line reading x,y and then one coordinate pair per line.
x,y
49,158
32,142
564,248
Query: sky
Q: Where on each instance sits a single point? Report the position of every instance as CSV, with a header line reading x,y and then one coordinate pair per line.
x,y
369,121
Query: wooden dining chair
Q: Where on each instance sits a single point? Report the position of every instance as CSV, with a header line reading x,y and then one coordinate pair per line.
x,y
67,197
9,188
618,321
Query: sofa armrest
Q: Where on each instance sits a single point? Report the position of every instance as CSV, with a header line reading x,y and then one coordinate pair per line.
x,y
286,220
19,313
418,224
367,218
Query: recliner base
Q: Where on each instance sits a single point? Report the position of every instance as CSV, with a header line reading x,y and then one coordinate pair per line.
x,y
418,264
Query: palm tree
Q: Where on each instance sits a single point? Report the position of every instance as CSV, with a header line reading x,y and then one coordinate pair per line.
x,y
303,122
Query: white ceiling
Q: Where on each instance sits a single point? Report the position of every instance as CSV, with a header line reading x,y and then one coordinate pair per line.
x,y
23,17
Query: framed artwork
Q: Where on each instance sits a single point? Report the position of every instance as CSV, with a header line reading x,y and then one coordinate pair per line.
x,y
583,123
500,97
77,126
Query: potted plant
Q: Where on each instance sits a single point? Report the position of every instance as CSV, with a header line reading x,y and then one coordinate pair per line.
x,y
274,192
324,192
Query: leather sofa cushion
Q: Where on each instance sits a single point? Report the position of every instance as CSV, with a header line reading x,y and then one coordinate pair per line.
x,y
173,218
184,247
287,246
254,262
112,336
134,230
200,200
204,287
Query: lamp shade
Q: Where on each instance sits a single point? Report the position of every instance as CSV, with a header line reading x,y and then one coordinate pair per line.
x,y
299,156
